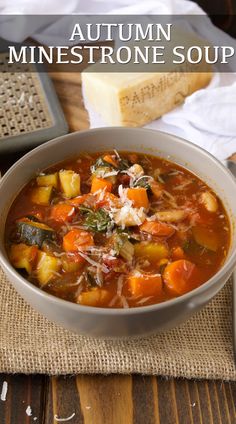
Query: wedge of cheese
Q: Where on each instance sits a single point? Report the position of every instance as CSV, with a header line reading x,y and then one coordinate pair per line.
x,y
132,99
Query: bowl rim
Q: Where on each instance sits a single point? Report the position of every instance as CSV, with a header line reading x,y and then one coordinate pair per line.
x,y
225,269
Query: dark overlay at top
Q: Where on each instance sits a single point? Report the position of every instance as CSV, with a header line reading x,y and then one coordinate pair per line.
x,y
128,43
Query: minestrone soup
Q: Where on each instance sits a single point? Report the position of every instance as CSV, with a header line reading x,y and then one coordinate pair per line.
x,y
117,230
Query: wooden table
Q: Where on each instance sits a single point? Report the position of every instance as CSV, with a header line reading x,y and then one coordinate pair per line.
x,y
111,399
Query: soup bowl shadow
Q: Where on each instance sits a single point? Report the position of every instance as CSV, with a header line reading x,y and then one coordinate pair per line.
x,y
132,322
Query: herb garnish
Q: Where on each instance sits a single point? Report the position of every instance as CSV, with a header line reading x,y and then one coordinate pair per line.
x,y
122,164
98,221
100,162
143,182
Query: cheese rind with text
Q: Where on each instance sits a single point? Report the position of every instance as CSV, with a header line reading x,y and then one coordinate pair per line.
x,y
135,99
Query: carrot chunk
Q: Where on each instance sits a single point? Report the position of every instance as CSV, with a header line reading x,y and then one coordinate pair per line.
x,y
145,284
109,159
157,228
100,184
62,212
180,277
77,240
138,196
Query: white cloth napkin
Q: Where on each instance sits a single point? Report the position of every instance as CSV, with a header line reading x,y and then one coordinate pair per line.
x,y
207,117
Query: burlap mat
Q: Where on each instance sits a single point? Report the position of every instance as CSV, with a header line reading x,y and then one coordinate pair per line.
x,y
201,348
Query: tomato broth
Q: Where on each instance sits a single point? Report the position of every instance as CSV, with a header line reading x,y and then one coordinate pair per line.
x,y
117,230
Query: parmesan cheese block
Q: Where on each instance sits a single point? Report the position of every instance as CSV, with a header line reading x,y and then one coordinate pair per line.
x,y
132,99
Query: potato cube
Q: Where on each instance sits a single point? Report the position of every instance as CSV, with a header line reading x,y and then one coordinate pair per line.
x,y
48,180
47,268
95,297
42,195
70,183
152,251
23,256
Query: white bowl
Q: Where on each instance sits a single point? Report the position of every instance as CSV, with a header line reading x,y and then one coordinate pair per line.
x,y
105,322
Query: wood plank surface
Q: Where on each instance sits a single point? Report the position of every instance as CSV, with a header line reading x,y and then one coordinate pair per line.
x,y
109,399
116,400
68,88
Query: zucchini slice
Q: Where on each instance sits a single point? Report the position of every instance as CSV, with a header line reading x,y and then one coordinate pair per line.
x,y
34,233
42,195
50,180
47,268
23,256
70,183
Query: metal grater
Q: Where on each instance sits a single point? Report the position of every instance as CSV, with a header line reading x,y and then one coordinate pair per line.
x,y
30,113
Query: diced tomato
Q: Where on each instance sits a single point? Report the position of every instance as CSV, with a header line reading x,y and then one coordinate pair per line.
x,y
116,264
86,199
124,179
115,267
109,200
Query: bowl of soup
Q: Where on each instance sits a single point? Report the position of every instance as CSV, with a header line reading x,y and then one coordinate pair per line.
x,y
118,232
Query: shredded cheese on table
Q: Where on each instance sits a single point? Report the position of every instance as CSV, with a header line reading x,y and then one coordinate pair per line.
x,y
28,411
56,418
4,391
